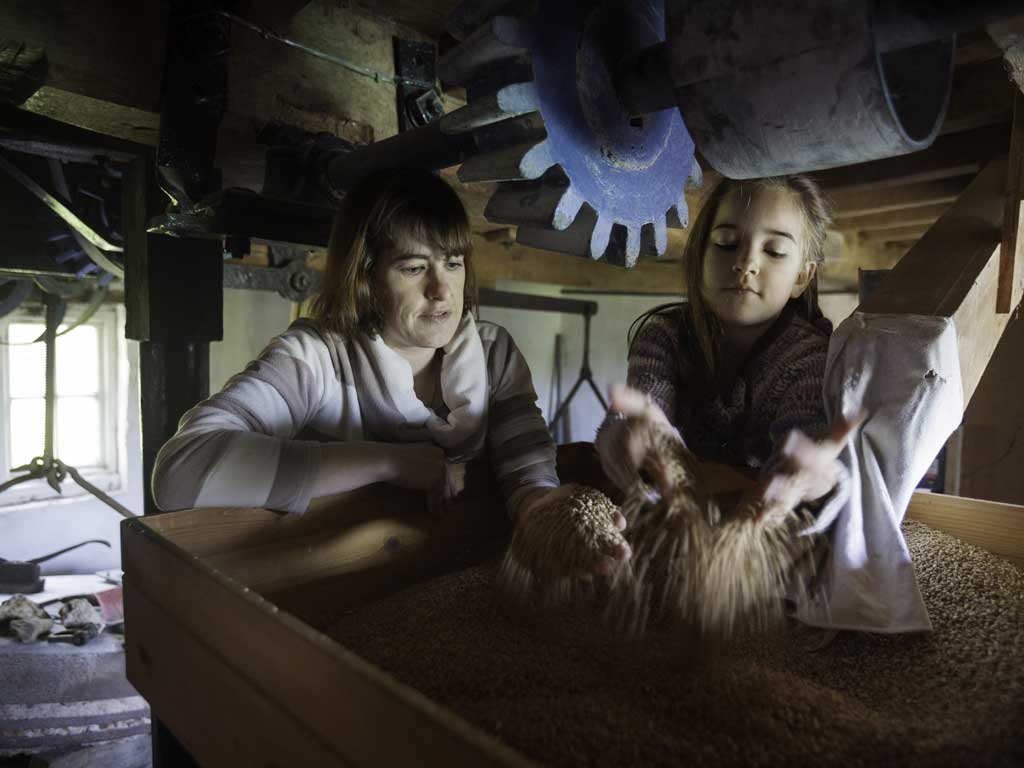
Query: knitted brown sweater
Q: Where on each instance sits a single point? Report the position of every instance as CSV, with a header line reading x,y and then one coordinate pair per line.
x,y
778,388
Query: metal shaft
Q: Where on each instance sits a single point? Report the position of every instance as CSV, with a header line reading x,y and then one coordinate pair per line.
x,y
52,318
644,81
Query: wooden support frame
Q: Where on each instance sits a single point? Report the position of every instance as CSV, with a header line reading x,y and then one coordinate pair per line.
x,y
1008,295
952,271
867,202
264,687
996,527
215,597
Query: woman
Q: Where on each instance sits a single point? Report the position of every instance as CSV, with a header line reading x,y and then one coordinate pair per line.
x,y
392,369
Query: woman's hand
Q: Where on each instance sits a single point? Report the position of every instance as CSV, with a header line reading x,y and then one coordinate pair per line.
x,y
623,444
570,531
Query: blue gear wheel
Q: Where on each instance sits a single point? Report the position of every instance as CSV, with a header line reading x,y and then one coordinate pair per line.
x,y
587,179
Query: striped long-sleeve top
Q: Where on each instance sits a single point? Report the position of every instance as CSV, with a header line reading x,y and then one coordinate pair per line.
x,y
778,387
239,447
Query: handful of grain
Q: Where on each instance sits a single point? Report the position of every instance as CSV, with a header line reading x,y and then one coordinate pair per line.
x,y
558,541
694,565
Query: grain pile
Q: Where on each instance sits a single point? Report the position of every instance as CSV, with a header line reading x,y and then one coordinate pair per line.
x,y
554,543
568,696
695,564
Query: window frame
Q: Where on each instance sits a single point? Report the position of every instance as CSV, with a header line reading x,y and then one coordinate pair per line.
x,y
110,477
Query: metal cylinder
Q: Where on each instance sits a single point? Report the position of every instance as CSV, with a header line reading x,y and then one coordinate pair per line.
x,y
828,99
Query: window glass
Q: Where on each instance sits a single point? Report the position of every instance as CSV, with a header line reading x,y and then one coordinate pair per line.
x,y
27,363
79,437
26,437
78,362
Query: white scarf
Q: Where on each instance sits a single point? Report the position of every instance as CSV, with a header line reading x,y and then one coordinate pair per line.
x,y
391,411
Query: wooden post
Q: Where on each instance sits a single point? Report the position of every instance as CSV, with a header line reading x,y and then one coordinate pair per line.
x,y
952,271
1008,295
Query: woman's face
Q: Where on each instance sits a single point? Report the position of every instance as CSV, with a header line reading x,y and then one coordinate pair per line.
x,y
421,294
754,260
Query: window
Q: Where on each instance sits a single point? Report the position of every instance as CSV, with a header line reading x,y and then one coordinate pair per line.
x,y
88,418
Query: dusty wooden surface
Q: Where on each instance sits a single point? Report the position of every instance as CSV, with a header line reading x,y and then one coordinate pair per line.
x,y
967,239
992,465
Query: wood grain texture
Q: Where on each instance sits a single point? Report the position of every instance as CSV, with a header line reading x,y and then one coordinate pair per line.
x,y
951,155
353,709
998,528
220,715
993,449
1011,260
966,239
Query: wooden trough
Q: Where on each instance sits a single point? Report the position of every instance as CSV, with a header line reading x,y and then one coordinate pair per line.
x,y
220,602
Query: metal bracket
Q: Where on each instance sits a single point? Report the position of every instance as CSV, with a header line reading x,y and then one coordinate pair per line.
x,y
416,62
293,281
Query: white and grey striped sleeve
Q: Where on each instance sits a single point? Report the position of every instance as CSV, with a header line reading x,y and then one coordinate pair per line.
x,y
236,448
522,451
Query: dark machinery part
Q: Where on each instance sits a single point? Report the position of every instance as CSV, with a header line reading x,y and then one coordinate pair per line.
x,y
25,577
571,105
592,181
192,100
293,281
830,97
59,207
417,104
13,291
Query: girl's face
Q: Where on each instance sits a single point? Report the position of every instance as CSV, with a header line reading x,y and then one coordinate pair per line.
x,y
754,259
421,292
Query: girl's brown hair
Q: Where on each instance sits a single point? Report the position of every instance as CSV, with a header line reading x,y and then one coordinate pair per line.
x,y
706,328
381,212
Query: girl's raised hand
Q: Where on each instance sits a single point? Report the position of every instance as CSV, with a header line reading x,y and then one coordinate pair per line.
x,y
808,469
624,443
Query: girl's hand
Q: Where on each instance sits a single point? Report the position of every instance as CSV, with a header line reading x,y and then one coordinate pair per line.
x,y
809,469
558,536
624,443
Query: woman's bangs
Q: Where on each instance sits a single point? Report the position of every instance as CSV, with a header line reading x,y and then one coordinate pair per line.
x,y
440,224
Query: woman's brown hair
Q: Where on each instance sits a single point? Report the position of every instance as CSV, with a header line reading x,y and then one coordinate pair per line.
x,y
381,212
706,329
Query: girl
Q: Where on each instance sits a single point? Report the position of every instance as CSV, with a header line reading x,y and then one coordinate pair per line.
x,y
738,369
392,369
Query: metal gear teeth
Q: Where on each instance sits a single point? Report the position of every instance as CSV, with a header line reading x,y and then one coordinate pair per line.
x,y
534,193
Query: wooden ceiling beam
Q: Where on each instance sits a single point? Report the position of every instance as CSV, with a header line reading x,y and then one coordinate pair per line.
x,y
894,234
494,261
982,95
1010,266
967,241
923,214
865,202
975,46
951,155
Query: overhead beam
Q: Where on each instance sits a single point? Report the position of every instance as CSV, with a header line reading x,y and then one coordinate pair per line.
x,y
865,202
951,155
952,271
973,47
892,235
918,215
982,95
493,261
1008,295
